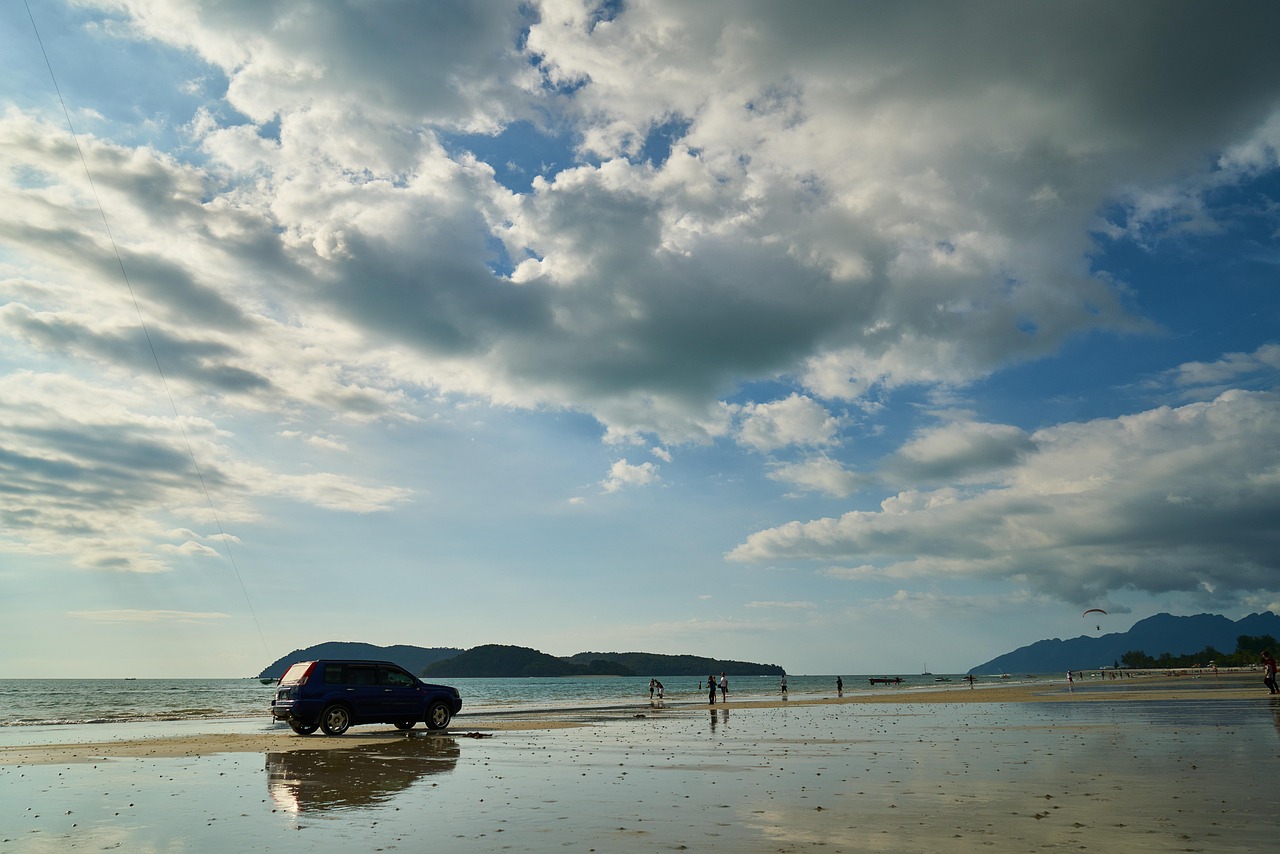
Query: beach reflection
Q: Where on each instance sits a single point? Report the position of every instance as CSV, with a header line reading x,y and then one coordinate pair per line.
x,y
724,719
316,780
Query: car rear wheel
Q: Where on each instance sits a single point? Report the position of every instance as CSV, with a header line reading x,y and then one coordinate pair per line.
x,y
335,719
405,724
301,728
438,715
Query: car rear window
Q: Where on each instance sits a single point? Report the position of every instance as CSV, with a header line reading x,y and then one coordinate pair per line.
x,y
295,672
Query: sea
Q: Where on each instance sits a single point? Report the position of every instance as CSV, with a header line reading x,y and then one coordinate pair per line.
x,y
92,702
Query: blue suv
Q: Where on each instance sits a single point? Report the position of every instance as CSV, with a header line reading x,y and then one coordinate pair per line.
x,y
335,695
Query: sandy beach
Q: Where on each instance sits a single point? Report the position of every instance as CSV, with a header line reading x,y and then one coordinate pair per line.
x,y
1185,763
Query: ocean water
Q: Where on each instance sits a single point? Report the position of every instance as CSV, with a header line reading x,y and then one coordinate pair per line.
x,y
54,702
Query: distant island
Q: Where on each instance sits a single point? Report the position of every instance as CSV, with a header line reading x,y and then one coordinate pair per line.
x,y
496,661
411,658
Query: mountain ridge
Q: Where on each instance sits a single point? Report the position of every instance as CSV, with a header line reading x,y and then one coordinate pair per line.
x,y
1153,635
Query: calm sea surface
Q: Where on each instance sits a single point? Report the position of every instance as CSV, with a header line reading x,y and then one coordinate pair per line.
x,y
53,702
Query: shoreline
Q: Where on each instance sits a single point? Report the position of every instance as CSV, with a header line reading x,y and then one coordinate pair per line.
x,y
1146,766
161,741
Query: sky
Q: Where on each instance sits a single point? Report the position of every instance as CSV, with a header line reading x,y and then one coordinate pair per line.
x,y
849,337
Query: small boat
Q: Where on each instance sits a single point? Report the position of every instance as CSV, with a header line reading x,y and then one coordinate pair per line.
x,y
885,680
267,680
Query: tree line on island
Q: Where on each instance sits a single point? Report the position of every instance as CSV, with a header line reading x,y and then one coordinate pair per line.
x,y
497,661
1249,649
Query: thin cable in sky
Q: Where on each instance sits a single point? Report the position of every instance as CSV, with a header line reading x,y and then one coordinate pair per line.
x,y
124,274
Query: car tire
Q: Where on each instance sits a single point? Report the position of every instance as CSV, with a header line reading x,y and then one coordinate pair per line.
x,y
405,724
335,719
301,728
438,715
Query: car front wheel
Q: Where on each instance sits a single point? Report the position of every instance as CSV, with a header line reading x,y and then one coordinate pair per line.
x,y
438,715
335,719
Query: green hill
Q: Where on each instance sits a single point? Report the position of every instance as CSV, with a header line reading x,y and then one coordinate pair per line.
x,y
652,664
411,658
495,661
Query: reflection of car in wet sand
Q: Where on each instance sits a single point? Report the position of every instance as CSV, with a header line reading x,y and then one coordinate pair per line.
x,y
335,695
309,780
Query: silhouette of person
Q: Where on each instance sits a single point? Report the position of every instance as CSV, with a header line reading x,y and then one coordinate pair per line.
x,y
1269,672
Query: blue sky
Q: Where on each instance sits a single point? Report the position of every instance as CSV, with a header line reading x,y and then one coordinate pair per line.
x,y
846,337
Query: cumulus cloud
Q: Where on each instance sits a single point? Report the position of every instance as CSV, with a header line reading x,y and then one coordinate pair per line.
x,y
1172,499
819,474
623,474
833,200
1228,369
822,210
960,450
795,420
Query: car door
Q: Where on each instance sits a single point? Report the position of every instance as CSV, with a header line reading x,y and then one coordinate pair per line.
x,y
401,698
363,691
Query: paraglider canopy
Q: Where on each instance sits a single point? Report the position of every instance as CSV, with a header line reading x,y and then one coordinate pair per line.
x,y
1095,611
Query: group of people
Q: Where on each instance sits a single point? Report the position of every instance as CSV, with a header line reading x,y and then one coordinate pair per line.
x,y
723,685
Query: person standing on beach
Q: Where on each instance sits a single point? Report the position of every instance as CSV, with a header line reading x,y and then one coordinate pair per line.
x,y
724,687
784,686
1269,672
839,687
651,684
711,687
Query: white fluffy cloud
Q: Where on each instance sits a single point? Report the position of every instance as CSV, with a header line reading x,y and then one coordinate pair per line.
x,y
960,450
1172,499
820,474
795,420
825,201
623,474
827,211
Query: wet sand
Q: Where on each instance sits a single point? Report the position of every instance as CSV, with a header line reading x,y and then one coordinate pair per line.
x,y
1126,765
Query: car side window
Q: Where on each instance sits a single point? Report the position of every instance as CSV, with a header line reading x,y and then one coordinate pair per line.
x,y
394,676
333,674
359,675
